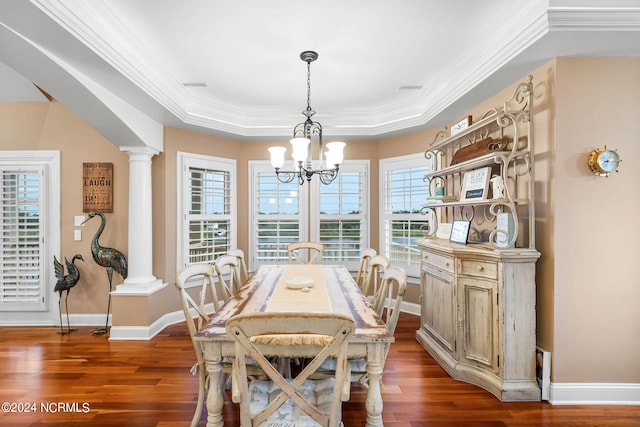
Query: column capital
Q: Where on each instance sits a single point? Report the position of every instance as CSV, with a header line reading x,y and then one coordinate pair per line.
x,y
140,150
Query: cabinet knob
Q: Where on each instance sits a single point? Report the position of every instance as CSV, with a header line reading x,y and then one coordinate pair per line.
x,y
480,268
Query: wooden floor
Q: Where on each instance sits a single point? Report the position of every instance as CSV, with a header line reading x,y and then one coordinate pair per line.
x,y
81,379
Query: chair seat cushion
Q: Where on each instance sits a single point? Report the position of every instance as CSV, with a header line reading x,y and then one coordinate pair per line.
x,y
317,392
357,365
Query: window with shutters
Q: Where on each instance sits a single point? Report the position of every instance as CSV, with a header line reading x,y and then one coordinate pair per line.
x,y
280,215
403,191
207,214
29,205
339,215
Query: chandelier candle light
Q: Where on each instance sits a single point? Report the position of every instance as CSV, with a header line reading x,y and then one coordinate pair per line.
x,y
301,144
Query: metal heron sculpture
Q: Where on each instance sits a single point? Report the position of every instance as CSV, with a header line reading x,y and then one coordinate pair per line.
x,y
65,283
109,258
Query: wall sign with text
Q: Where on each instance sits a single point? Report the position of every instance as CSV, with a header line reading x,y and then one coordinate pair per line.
x,y
97,187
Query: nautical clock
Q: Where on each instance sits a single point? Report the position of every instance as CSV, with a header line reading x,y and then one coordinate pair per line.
x,y
603,161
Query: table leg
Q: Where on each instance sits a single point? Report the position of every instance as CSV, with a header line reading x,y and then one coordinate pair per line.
x,y
215,399
375,363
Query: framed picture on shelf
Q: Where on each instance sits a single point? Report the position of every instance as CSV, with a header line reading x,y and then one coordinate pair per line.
x,y
460,231
475,184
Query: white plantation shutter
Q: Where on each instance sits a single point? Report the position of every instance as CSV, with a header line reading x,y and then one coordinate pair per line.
x,y
22,239
335,214
404,191
341,215
278,216
208,210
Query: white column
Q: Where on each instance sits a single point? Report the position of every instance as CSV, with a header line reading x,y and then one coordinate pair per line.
x,y
140,278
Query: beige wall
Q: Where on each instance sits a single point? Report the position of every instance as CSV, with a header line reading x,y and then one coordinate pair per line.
x,y
596,318
50,126
586,229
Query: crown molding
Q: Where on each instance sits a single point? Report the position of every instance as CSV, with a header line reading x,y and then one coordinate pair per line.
x,y
93,22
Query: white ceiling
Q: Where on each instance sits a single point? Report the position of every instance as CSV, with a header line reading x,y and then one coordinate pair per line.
x,y
456,52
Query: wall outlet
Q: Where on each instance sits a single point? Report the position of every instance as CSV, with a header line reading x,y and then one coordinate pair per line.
x,y
77,234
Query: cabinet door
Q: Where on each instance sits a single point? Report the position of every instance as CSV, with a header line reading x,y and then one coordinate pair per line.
x,y
439,306
479,320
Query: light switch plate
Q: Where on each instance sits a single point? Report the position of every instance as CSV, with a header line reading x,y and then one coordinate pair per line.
x,y
78,220
77,234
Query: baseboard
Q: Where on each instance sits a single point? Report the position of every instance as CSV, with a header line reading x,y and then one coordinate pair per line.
x,y
594,394
410,307
132,333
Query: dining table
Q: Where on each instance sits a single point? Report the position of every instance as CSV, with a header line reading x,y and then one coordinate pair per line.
x,y
316,288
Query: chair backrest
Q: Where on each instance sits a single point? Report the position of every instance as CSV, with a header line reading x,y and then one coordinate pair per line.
x,y
228,265
242,265
363,268
207,292
305,252
377,266
393,285
317,335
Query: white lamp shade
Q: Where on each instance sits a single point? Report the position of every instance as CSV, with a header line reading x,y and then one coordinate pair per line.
x,y
277,156
330,159
335,153
300,149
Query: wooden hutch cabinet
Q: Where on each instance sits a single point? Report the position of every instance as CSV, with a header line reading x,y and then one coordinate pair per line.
x,y
478,298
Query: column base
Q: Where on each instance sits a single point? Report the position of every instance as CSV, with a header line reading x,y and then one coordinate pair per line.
x,y
139,288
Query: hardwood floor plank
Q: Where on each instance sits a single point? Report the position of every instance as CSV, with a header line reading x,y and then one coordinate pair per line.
x,y
148,383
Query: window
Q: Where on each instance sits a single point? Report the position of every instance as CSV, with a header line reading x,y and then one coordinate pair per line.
x,y
278,215
207,213
341,217
29,204
403,191
338,219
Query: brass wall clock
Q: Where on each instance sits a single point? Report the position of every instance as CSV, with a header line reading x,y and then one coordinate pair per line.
x,y
603,161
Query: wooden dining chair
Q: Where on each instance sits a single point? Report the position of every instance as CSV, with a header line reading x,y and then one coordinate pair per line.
x,y
196,307
242,265
363,268
392,286
297,401
377,266
305,252
227,265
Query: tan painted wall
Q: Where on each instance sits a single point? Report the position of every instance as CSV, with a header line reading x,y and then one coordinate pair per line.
x,y
597,289
50,126
587,291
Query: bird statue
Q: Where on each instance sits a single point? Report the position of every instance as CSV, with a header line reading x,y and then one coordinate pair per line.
x,y
65,283
109,258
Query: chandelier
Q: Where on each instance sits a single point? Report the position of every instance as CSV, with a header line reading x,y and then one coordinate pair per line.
x,y
301,145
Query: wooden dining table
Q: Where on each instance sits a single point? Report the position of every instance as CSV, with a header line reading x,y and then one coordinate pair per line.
x,y
278,288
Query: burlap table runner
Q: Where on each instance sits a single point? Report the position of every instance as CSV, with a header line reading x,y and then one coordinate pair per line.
x,y
316,300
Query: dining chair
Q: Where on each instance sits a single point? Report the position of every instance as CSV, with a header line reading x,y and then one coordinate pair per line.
x,y
191,308
363,268
393,286
281,401
228,265
242,265
305,252
377,266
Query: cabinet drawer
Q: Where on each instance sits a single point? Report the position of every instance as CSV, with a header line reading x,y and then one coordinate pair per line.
x,y
471,267
440,261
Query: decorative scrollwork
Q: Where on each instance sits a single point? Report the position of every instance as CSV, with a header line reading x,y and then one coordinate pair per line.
x,y
431,231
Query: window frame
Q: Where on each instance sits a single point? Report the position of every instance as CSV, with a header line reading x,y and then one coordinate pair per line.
x,y
388,165
358,166
49,161
184,162
308,205
259,167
